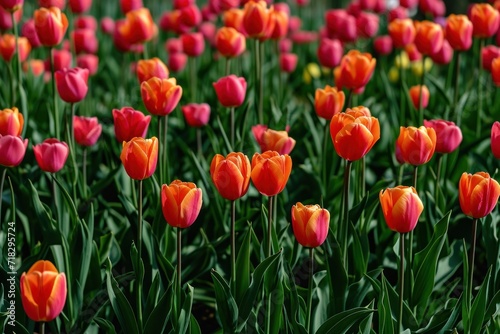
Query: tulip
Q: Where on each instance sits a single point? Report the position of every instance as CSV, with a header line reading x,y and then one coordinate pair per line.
x,y
193,44
197,115
190,16
367,24
119,39
62,60
485,20
86,22
154,67
489,53
417,145
130,5
50,25
383,45
280,23
35,66
353,137
72,84
285,45
229,42
495,140
401,207
310,224
234,18
231,90
356,69
79,6
173,45
11,122
402,32
414,93
89,62
6,18
257,19
429,37
107,25
288,62
28,31
51,155
181,203
180,4
87,130
272,140
270,172
84,41
43,291
231,175
11,5
448,135
330,52
130,123
328,102
340,24
12,150
52,3
458,32
435,8
139,157
358,111
177,62
444,55
478,194
138,27
160,96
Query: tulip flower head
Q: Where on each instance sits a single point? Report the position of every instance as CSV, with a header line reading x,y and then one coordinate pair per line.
x,y
139,157
196,115
130,123
160,96
478,194
288,62
448,135
89,62
72,84
8,47
51,155
310,224
485,20
257,19
84,41
355,69
154,67
330,52
458,32
12,150
231,90
181,203
231,175
11,5
414,93
383,45
43,291
272,140
87,130
229,42
50,25
401,207
328,102
495,140
79,6
416,145
11,122
429,37
402,32
138,26
270,172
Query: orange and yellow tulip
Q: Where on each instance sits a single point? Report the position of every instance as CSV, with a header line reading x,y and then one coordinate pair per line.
x,y
270,172
181,203
138,27
8,47
485,20
402,32
160,96
429,38
328,102
355,70
310,224
414,92
458,32
257,19
231,175
478,194
416,145
139,157
148,68
229,42
401,207
279,141
11,122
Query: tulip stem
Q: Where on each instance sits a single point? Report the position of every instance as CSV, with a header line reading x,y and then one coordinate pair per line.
x,y
228,66
72,108
11,85
455,93
84,153
139,251
193,77
160,154
471,257
402,114
198,142
348,100
415,174
401,279
42,327
438,179
310,289
420,95
231,111
4,172
325,152
233,248
258,79
179,269
269,227
54,94
165,149
345,224
18,56
480,90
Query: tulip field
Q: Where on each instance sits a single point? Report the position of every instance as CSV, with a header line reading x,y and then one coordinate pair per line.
x,y
249,166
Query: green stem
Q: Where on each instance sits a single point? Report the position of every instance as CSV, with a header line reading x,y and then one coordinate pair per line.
x,y
193,77
160,153
402,95
471,256
438,179
420,106
310,290
480,91
362,177
54,94
415,175
233,248
72,107
228,66
42,327
345,223
198,142
456,90
400,174
139,251
258,74
84,153
4,172
179,268
12,81
232,126
348,100
401,279
18,56
261,82
269,227
326,135
165,150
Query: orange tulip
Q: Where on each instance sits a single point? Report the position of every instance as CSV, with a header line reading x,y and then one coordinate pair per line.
x,y
401,207
139,157
270,172
414,92
429,38
257,19
148,68
358,111
485,20
229,42
416,145
353,137
139,26
234,18
8,47
11,122
43,291
402,32
458,32
280,25
231,175
328,102
356,69
160,96
478,194
495,71
279,141
50,25
310,224
181,203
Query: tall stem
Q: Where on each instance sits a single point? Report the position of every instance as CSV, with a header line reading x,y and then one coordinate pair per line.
x,y
233,248
4,172
269,227
139,250
198,142
438,179
54,94
415,175
326,135
165,150
193,77
345,223
228,66
258,78
420,106
310,289
471,256
401,279
402,95
480,91
455,93
179,268
348,100
160,153
42,327
84,153
72,129
232,126
18,56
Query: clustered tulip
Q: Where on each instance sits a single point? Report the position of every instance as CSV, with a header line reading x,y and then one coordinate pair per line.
x,y
231,175
310,224
448,135
270,172
231,90
181,203
401,207
478,194
139,157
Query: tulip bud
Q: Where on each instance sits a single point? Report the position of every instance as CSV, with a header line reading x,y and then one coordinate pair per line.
x,y
367,24
190,16
193,44
270,172
448,135
86,22
231,175
87,130
429,37
160,96
402,32
330,52
401,207
72,84
28,31
444,55
478,194
139,157
12,150
288,62
181,203
84,41
231,90
177,62
310,224
79,6
415,96
138,26
50,25
107,25
51,155
356,69
62,60
383,45
459,32
417,145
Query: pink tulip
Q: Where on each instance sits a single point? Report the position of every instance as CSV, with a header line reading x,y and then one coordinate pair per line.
x,y
87,130
72,84
197,115
448,135
330,52
51,155
231,90
495,140
130,123
12,150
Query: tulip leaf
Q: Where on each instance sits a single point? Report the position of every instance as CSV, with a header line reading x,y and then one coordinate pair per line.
x,y
275,300
444,319
336,272
120,304
425,263
198,262
226,306
466,301
158,316
44,218
292,303
365,326
185,312
439,88
341,322
478,308
69,201
385,319
361,251
138,265
154,294
243,266
194,327
224,136
105,326
315,134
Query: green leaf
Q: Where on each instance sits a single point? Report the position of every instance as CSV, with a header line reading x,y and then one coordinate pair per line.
x,y
385,319
365,326
292,301
194,327
336,272
443,320
160,314
226,306
425,263
478,309
105,325
340,323
120,304
185,315
466,306
275,300
243,266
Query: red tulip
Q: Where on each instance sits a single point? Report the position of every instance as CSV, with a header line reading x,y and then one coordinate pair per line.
x,y
138,26
489,53
51,155
459,32
231,175
356,69
89,62
193,44
86,22
72,84
257,19
11,5
12,150
231,90
79,6
87,130
383,45
177,62
310,224
416,145
52,3
229,42
139,157
160,96
270,172
402,32
401,207
107,25
181,203
288,62
6,19
444,55
84,41
328,102
330,52
8,47
28,31
367,24
129,5
429,37
173,45
495,140
190,16
130,123
415,96
197,115
478,194
50,25
448,135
